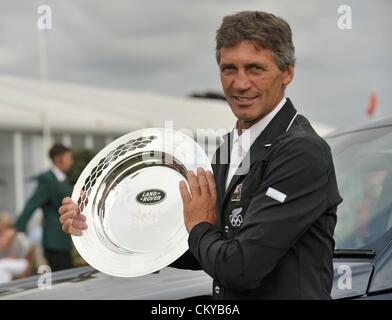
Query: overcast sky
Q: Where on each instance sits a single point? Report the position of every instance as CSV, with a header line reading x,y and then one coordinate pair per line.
x,y
167,47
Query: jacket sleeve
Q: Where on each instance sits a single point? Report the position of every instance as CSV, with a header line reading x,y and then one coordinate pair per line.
x,y
186,261
301,171
37,200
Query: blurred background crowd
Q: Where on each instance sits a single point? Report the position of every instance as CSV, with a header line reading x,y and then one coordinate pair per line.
x,y
35,238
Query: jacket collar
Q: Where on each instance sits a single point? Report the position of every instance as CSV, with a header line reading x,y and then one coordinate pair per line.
x,y
60,176
278,125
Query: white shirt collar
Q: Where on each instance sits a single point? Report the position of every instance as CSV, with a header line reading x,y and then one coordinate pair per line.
x,y
242,143
248,136
58,173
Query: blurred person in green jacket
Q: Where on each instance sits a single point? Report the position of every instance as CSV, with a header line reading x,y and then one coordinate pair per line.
x,y
52,187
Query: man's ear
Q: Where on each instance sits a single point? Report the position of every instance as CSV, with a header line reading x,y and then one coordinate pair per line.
x,y
288,75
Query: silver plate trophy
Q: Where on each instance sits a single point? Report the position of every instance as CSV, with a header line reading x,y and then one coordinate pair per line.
x,y
130,195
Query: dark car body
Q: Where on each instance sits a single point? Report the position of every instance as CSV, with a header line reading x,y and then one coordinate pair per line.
x,y
363,255
363,235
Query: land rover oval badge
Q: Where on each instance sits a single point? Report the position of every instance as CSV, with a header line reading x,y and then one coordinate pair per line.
x,y
151,196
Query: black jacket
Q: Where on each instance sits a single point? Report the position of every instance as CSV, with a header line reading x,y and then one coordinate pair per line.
x,y
275,223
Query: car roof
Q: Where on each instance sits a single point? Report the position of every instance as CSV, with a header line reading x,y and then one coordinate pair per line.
x,y
376,123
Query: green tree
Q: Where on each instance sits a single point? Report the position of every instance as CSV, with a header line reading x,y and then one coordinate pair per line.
x,y
82,158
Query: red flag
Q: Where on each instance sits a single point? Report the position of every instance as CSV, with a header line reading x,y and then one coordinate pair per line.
x,y
373,102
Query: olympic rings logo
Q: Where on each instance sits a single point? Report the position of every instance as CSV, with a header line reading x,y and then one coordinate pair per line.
x,y
236,220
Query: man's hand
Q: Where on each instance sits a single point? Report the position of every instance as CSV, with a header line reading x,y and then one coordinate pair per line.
x,y
200,203
70,217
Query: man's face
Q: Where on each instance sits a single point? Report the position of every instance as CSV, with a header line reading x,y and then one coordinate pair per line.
x,y
64,162
252,82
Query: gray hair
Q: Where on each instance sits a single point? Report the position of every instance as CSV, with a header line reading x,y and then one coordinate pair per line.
x,y
263,29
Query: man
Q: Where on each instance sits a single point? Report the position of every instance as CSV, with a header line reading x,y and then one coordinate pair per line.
x,y
262,226
53,186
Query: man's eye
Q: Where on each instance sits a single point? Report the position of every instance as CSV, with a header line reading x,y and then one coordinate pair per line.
x,y
256,68
227,69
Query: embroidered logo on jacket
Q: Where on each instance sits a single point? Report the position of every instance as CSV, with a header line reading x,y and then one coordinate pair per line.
x,y
237,193
235,218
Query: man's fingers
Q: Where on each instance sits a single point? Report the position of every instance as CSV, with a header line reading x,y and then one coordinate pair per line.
x,y
66,200
211,183
66,226
75,232
73,228
77,224
67,207
73,222
66,216
80,217
193,183
186,197
71,215
204,189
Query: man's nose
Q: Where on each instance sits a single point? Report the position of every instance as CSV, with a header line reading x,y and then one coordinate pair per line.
x,y
241,82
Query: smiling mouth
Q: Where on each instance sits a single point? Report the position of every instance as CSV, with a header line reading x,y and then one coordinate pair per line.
x,y
244,98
